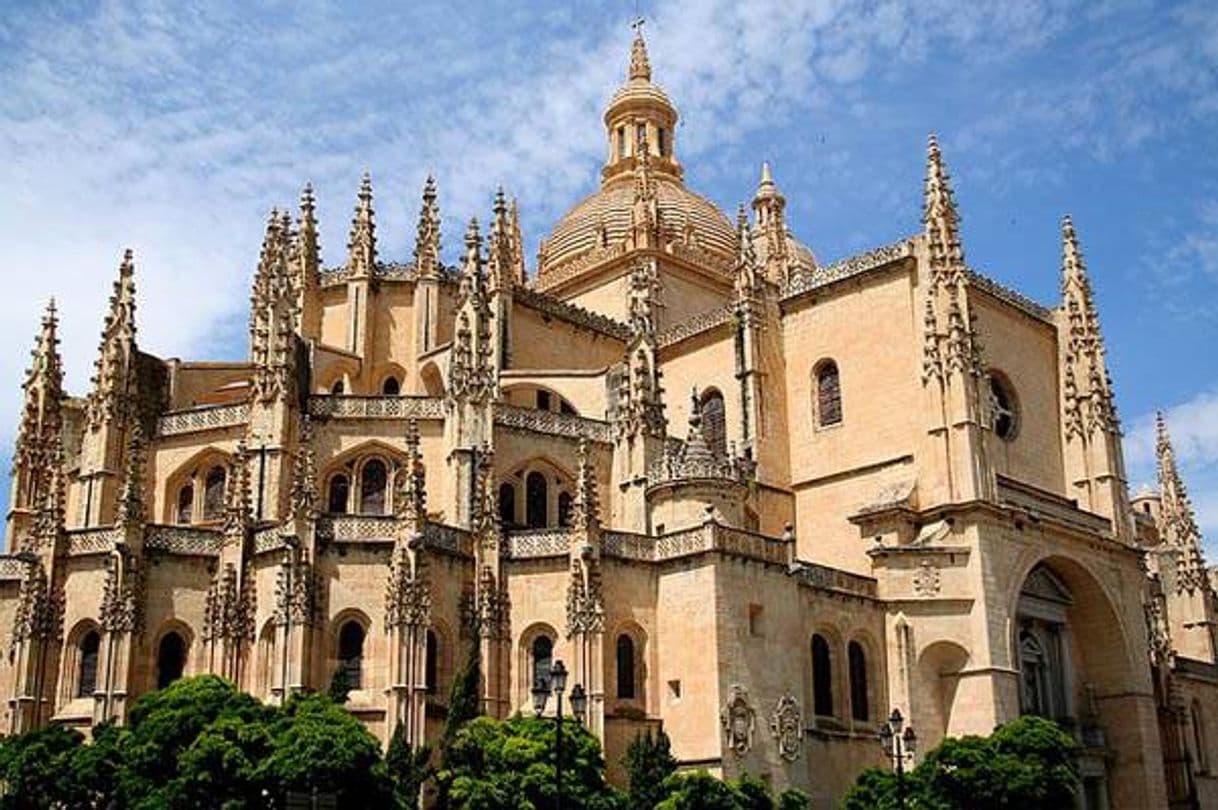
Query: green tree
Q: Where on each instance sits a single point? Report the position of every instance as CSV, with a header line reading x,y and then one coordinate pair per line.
x,y
37,769
1027,763
792,799
340,685
316,743
649,762
700,791
408,769
464,704
164,724
96,766
497,765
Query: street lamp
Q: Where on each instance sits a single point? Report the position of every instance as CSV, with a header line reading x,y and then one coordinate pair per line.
x,y
556,682
898,745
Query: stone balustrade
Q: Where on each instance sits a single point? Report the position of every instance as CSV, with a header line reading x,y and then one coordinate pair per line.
x,y
207,417
190,541
328,406
553,423
97,540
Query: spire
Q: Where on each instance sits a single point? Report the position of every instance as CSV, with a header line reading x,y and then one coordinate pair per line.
x,y
1177,523
113,375
939,213
472,274
640,65
361,246
274,311
41,419
500,270
517,243
427,239
1090,403
748,281
309,248
769,206
131,511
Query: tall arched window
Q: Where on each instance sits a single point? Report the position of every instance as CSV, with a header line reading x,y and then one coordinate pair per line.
x,y
373,480
186,504
828,394
213,494
430,665
170,659
625,667
564,509
543,654
822,677
86,676
714,421
857,659
535,500
351,652
340,491
507,505
391,387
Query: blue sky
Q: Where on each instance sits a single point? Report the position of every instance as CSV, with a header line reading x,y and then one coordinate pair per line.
x,y
175,130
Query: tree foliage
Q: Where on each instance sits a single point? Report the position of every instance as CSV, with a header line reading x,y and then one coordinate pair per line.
x,y
649,762
1027,763
408,769
37,768
701,791
497,765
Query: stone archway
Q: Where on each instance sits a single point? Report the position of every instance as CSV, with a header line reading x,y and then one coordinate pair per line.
x,y
935,690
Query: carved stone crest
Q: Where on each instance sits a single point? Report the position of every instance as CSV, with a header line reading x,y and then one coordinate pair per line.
x,y
787,726
739,720
927,580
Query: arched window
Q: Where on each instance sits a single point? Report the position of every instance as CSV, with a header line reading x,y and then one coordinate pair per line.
x,y
170,659
714,421
351,652
338,389
186,504
213,494
822,677
391,387
430,665
535,500
1004,407
543,654
857,659
625,667
1034,666
340,490
372,487
266,658
86,676
507,505
828,394
564,509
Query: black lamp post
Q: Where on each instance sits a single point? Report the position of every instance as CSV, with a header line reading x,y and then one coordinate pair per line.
x,y
557,683
898,745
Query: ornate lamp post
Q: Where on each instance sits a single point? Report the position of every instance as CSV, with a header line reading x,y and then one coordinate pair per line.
x,y
557,682
898,745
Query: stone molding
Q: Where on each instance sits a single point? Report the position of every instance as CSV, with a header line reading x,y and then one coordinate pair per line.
x,y
696,325
846,268
571,313
834,579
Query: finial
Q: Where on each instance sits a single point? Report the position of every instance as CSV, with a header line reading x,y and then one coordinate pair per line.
x,y
500,206
307,200
640,66
767,177
473,239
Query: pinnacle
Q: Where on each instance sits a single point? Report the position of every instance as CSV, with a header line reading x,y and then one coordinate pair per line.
x,y
640,65
500,206
473,238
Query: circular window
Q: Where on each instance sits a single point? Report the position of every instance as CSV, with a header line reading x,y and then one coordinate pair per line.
x,y
1004,407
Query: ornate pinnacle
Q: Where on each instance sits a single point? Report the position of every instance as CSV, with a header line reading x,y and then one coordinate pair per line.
x,y
304,474
1093,407
1177,523
587,502
112,376
308,245
427,238
500,259
238,498
517,242
40,417
410,495
939,213
361,246
131,510
640,65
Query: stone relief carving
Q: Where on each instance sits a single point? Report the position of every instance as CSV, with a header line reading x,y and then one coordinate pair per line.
x,y
787,726
927,580
739,720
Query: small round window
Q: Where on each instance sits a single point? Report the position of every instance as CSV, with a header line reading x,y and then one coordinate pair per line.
x,y
1004,407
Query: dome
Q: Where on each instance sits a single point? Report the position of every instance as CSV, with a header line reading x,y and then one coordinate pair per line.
x,y
604,218
798,254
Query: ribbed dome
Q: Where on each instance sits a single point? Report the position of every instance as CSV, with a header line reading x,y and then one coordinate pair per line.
x,y
610,209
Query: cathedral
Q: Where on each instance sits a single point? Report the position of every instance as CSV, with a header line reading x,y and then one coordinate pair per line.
x,y
747,497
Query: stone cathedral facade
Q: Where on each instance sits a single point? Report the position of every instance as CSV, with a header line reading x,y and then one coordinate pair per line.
x,y
743,495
